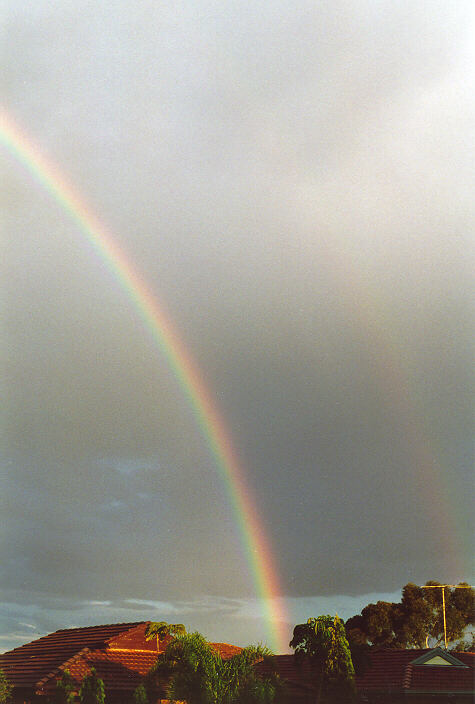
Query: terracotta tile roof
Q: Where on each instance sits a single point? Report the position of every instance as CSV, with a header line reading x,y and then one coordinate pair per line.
x,y
119,669
226,650
119,653
390,670
387,669
446,678
30,663
299,676
394,669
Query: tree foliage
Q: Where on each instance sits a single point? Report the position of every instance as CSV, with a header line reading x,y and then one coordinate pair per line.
x,y
92,689
162,629
417,620
467,645
140,695
198,674
323,639
65,686
5,688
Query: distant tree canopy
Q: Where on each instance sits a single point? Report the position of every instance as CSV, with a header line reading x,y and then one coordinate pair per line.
x,y
417,620
196,673
324,640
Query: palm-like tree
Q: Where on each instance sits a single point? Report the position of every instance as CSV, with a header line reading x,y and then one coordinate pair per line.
x,y
323,640
196,673
161,629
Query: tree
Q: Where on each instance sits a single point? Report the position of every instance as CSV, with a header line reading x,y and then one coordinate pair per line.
x,y
162,629
467,645
92,689
5,689
196,673
323,640
140,695
376,624
65,687
417,620
459,611
416,617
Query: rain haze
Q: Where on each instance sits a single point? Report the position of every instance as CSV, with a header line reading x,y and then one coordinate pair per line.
x,y
293,184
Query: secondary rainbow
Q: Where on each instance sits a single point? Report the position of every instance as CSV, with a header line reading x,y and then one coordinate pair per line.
x,y
207,415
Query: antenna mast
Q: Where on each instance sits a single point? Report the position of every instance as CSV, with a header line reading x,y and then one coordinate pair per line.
x,y
442,586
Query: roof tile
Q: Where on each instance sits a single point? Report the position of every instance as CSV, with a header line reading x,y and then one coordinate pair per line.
x,y
119,652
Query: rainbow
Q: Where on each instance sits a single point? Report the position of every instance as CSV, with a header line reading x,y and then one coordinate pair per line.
x,y
211,422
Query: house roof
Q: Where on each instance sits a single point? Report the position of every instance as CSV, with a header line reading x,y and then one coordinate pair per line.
x,y
119,653
27,665
120,670
398,669
389,670
298,675
226,650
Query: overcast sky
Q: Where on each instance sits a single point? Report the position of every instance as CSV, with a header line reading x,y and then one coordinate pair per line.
x,y
294,182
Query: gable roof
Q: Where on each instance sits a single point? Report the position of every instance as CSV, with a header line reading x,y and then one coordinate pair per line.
x,y
29,664
120,670
119,652
437,656
389,670
405,670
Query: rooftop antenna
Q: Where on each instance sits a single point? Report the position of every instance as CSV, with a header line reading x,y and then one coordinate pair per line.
x,y
442,586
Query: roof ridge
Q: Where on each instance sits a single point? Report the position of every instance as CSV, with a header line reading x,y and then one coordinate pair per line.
x,y
49,637
132,624
129,650
63,666
220,642
439,652
19,647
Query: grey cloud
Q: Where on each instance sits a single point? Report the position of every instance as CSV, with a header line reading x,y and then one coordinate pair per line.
x,y
295,185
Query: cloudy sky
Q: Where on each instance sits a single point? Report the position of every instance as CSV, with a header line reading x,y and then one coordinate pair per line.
x,y
294,183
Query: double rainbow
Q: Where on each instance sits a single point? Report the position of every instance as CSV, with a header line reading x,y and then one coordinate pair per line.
x,y
210,420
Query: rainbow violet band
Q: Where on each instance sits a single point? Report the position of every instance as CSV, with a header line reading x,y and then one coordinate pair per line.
x,y
211,422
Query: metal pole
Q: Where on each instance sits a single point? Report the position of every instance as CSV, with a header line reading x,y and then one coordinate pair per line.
x,y
443,609
442,586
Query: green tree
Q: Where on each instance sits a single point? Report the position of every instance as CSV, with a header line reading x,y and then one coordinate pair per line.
x,y
416,617
5,689
196,673
65,687
140,695
467,645
417,621
459,611
92,689
162,629
376,624
323,640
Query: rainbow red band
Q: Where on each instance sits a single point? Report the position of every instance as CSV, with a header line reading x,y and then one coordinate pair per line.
x,y
208,417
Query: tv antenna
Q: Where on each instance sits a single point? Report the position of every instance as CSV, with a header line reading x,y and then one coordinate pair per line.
x,y
442,586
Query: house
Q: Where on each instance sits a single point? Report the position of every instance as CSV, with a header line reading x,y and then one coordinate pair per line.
x,y
119,653
418,676
392,677
122,657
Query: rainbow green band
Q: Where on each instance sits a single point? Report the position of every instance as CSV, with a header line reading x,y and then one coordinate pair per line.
x,y
255,544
